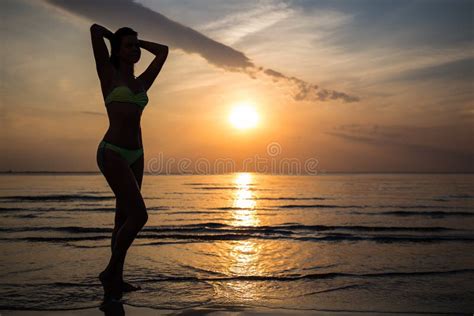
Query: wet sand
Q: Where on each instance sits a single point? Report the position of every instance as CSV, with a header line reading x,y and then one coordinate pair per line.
x,y
124,309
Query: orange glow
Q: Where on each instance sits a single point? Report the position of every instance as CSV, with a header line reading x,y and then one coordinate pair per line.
x,y
244,116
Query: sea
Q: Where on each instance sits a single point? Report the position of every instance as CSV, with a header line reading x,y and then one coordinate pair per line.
x,y
358,242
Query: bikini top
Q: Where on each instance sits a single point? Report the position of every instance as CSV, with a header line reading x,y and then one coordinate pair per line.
x,y
124,94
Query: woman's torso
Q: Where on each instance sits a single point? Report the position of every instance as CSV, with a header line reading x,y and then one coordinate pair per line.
x,y
124,117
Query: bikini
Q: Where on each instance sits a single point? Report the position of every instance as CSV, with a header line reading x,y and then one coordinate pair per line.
x,y
123,94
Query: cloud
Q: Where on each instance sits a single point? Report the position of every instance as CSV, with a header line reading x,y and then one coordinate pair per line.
x,y
444,142
462,69
118,13
235,26
307,90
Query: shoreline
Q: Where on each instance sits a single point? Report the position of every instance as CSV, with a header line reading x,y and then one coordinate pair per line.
x,y
118,309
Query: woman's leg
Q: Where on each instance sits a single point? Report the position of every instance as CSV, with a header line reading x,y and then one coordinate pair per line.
x,y
137,168
120,216
127,191
124,239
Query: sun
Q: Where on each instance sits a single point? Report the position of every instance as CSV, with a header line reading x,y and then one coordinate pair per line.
x,y
244,116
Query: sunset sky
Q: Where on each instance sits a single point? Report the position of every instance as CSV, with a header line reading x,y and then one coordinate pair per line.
x,y
376,86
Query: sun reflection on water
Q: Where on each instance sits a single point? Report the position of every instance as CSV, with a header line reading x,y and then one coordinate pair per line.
x,y
244,202
244,255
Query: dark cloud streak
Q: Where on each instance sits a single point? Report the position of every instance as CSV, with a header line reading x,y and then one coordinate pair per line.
x,y
150,24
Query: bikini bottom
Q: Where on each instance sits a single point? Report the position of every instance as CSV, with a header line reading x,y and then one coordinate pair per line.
x,y
130,155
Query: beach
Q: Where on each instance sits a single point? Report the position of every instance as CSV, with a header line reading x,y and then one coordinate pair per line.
x,y
243,244
221,311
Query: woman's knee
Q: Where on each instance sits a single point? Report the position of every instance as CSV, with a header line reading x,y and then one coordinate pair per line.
x,y
120,217
137,212
144,218
142,214
139,219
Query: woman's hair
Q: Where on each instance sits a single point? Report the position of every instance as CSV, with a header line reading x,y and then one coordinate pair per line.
x,y
117,41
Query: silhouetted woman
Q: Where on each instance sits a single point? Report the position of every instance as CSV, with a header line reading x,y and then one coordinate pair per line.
x,y
120,154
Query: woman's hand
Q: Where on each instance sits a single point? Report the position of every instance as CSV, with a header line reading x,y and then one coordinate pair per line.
x,y
102,31
154,48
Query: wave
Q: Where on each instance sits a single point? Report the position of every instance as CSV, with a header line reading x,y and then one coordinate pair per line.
x,y
438,214
186,193
158,243
56,197
208,184
289,198
232,237
318,206
284,278
62,197
230,188
95,192
368,206
328,275
390,239
288,228
217,231
452,197
95,209
64,209
227,208
195,212
24,215
368,228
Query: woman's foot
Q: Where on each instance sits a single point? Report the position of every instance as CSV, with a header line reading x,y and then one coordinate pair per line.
x,y
112,286
127,287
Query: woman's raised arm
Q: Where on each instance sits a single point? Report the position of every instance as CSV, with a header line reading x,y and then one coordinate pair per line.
x,y
101,54
161,53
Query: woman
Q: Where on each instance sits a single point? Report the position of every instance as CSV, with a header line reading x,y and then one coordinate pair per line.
x,y
120,154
